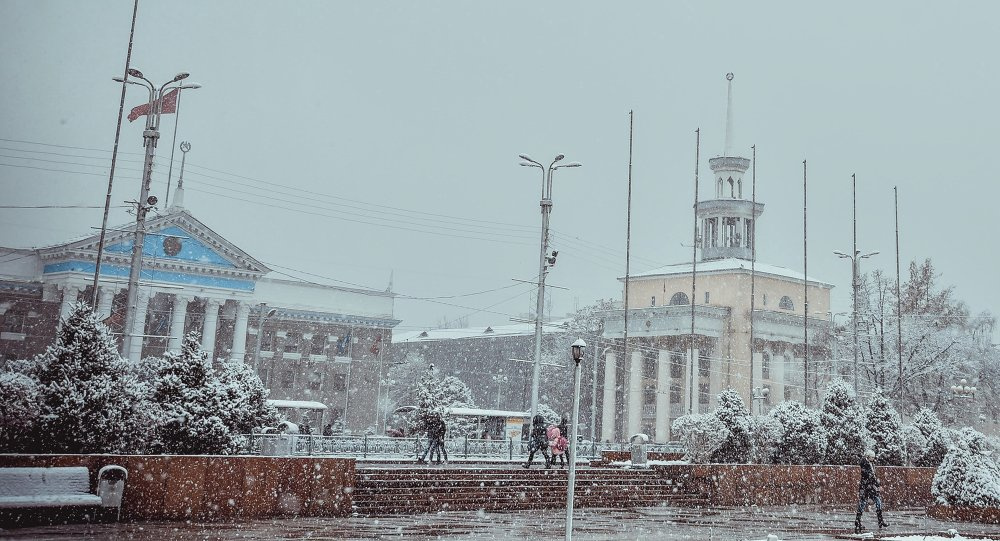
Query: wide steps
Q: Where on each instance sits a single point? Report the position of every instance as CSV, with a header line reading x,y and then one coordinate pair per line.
x,y
384,491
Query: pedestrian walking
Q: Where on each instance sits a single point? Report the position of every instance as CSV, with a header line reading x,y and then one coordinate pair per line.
x,y
557,445
868,490
538,442
564,430
440,429
430,429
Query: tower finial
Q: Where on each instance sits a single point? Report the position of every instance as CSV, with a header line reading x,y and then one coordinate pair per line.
x,y
728,148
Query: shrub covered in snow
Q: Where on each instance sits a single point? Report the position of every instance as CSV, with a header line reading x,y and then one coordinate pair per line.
x,y
702,433
735,416
844,424
926,439
18,410
969,475
243,403
885,428
764,434
802,439
89,400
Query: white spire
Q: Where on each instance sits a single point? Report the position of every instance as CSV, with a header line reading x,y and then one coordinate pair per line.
x,y
728,148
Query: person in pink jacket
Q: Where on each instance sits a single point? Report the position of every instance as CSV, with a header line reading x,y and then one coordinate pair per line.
x,y
557,444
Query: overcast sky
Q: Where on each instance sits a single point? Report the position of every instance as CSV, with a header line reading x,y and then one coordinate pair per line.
x,y
351,140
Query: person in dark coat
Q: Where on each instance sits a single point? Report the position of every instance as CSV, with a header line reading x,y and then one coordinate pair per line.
x,y
430,428
439,428
564,430
538,441
868,490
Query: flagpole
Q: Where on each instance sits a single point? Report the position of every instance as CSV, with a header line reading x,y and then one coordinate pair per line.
x,y
173,146
114,155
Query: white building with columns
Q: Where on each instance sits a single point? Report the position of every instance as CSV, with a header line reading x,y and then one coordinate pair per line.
x,y
320,342
680,355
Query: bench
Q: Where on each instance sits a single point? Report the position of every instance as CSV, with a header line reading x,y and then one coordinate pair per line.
x,y
59,487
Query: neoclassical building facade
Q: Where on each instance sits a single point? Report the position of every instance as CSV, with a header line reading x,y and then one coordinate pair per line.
x,y
319,344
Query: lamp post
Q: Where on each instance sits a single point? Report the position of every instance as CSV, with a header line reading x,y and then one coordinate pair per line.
x,y
760,394
963,391
854,310
150,135
577,349
544,261
264,315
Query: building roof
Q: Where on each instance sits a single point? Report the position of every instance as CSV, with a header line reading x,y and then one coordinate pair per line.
x,y
728,265
516,329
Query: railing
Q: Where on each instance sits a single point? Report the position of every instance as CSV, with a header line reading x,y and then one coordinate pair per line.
x,y
384,447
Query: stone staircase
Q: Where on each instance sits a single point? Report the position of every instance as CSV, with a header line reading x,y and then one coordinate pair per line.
x,y
390,491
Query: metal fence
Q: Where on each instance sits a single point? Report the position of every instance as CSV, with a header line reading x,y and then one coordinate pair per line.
x,y
410,448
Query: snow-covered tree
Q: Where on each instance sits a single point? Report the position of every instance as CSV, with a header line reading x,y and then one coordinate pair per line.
x,y
435,397
89,400
765,432
844,424
735,416
549,414
702,433
190,404
969,475
802,440
243,403
18,410
884,428
929,440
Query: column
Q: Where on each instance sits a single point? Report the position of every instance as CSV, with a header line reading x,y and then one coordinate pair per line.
x,y
211,324
240,332
691,396
177,321
635,394
139,329
70,293
609,403
662,426
105,300
778,378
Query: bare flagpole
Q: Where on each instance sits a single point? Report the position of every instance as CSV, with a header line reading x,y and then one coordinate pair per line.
x,y
628,242
114,156
805,286
899,305
173,146
694,268
753,259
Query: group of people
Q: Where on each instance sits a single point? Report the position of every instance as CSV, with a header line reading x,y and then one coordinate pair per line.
x,y
550,441
435,428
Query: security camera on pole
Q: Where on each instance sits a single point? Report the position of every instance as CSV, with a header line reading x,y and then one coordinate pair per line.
x,y
544,261
130,348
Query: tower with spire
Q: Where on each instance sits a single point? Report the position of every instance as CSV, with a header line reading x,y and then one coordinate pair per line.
x,y
727,221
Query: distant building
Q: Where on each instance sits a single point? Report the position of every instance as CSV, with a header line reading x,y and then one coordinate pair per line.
x,y
321,343
670,370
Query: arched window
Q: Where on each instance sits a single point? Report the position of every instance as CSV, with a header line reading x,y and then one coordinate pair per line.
x,y
679,298
786,303
732,188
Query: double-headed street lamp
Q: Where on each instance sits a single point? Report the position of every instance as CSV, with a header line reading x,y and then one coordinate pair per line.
x,y
150,134
759,395
854,310
544,261
577,349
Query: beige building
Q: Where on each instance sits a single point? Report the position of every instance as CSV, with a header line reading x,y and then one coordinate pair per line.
x,y
679,356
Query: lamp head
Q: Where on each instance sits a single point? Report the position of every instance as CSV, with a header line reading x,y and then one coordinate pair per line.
x,y
572,164
118,79
558,157
190,85
525,157
180,76
840,254
578,348
134,72
271,312
526,164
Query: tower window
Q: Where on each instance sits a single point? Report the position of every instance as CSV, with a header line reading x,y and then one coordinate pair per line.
x,y
765,298
765,365
679,298
786,303
706,298
652,300
732,188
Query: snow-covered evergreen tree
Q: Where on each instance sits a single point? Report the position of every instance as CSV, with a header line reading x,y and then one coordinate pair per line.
x,y
802,440
931,439
435,397
702,433
844,424
18,410
549,414
735,416
190,403
969,475
885,429
765,432
243,402
89,399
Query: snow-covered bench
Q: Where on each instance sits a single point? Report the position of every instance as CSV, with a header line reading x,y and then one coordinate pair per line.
x,y
58,487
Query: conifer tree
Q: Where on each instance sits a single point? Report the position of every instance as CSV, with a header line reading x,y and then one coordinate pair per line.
x,y
243,403
844,424
735,416
935,439
885,429
18,410
969,475
802,440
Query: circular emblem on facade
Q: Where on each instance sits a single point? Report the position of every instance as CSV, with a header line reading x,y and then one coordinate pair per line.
x,y
171,246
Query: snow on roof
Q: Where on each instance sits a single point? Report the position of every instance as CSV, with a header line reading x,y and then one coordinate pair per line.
x,y
516,329
727,265
298,404
476,412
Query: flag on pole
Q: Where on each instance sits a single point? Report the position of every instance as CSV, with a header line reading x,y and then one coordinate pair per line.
x,y
168,105
376,345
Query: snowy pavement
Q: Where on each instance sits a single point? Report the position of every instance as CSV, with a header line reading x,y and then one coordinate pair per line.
x,y
804,523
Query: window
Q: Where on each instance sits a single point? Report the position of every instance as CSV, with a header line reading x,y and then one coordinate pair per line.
x,y
730,237
786,303
732,188
287,379
676,364
703,393
649,396
292,342
267,342
675,393
765,298
765,365
748,231
679,298
711,233
649,368
13,322
315,381
703,364
318,344
340,382
707,298
652,300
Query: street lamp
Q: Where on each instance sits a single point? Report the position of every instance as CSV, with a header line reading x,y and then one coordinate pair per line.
x,y
544,261
963,390
150,135
854,310
577,349
264,315
760,394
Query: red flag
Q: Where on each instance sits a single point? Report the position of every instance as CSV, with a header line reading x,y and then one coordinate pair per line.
x,y
376,345
169,105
